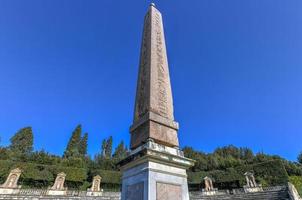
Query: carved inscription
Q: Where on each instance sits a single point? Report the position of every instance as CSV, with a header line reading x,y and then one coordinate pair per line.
x,y
144,61
162,77
135,192
165,191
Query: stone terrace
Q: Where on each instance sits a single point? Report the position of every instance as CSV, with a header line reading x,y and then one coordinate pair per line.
x,y
269,193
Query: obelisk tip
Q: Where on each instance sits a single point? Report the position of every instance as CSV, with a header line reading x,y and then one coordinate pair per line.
x,y
152,4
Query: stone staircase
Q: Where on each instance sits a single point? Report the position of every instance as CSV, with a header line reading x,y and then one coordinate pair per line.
x,y
278,194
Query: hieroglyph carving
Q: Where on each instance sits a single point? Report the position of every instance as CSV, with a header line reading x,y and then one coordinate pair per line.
x,y
165,191
142,103
161,82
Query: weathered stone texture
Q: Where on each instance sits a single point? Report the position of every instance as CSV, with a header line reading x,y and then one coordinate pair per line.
x,y
135,191
153,93
166,191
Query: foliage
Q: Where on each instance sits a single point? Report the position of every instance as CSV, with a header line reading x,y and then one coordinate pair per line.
x,y
32,173
120,152
300,158
22,141
226,164
267,173
83,145
297,181
72,149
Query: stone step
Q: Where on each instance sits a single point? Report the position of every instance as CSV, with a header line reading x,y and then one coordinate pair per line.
x,y
265,195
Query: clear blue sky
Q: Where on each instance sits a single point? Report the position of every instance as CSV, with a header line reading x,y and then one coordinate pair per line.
x,y
236,71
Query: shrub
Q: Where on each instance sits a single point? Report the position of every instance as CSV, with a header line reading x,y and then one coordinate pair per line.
x,y
267,173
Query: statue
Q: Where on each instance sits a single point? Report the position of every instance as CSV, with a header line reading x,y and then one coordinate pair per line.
x,y
58,187
208,184
251,185
209,188
250,179
10,186
95,189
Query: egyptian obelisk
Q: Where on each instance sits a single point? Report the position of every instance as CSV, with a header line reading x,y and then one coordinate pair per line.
x,y
156,167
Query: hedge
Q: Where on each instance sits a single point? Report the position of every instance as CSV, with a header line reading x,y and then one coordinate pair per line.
x,y
267,173
39,175
42,175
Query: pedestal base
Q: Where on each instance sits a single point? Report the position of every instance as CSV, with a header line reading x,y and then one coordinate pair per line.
x,y
9,190
210,193
155,172
56,192
248,189
94,194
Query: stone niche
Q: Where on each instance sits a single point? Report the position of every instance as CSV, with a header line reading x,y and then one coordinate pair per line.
x,y
11,186
95,189
58,187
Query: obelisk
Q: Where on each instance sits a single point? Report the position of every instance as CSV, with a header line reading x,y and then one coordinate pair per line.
x,y
156,167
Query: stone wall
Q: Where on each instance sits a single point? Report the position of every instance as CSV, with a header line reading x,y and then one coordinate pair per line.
x,y
38,194
269,193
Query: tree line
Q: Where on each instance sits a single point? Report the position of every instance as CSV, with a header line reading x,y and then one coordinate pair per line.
x,y
75,154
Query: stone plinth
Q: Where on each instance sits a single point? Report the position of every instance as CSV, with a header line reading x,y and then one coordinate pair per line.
x,y
155,172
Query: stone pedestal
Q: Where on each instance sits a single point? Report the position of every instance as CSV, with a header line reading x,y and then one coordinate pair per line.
x,y
57,192
155,172
9,191
210,193
248,189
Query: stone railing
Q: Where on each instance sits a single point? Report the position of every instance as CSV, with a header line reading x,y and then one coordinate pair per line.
x,y
70,193
293,193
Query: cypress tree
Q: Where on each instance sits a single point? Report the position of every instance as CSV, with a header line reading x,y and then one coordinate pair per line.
x,y
72,149
120,152
300,158
83,145
109,147
22,141
103,150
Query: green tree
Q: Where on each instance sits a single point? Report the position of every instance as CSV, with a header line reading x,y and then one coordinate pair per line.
x,y
120,152
72,149
109,147
22,141
103,148
83,145
300,158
